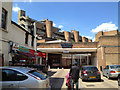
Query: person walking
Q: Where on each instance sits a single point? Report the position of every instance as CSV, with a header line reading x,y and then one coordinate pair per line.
x,y
74,73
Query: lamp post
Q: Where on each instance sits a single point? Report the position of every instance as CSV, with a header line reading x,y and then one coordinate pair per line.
x,y
35,44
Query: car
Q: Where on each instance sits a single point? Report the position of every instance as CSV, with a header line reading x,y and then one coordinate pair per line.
x,y
118,79
111,71
42,68
90,73
23,77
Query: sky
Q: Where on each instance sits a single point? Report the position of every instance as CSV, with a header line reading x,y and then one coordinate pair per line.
x,y
86,17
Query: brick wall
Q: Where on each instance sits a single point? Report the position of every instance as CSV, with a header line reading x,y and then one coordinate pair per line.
x,y
108,51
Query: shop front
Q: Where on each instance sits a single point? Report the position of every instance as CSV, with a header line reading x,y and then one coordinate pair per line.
x,y
21,55
65,54
81,59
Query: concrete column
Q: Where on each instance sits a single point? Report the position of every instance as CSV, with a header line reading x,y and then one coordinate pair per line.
x,y
87,60
49,28
80,61
83,39
76,35
89,40
67,36
20,13
40,60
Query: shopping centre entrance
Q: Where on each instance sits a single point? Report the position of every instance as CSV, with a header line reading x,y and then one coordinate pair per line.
x,y
65,54
66,60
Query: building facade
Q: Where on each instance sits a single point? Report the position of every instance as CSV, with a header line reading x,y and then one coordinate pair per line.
x,y
15,42
61,49
47,32
64,48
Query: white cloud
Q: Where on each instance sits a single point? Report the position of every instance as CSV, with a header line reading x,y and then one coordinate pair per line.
x,y
54,24
27,1
16,8
93,39
105,27
89,37
60,26
30,0
62,30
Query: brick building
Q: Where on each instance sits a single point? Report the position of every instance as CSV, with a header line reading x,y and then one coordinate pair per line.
x,y
104,51
64,48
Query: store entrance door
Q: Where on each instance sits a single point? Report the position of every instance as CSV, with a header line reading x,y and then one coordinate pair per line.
x,y
82,59
54,60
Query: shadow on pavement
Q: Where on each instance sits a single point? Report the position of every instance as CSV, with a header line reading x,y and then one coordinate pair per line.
x,y
115,79
56,83
51,73
94,80
112,78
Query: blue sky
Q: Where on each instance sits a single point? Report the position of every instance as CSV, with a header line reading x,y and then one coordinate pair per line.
x,y
86,17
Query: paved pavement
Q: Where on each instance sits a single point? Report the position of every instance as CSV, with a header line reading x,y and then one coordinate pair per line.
x,y
58,80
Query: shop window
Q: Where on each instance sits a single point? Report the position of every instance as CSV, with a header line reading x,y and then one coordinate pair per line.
x,y
4,18
26,38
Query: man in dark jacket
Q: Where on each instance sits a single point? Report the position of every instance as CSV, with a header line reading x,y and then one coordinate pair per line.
x,y
74,73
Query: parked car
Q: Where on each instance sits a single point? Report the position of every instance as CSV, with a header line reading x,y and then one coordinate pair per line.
x,y
23,77
90,73
118,79
42,68
111,71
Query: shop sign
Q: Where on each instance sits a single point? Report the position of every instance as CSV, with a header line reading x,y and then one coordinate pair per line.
x,y
23,49
66,45
65,51
32,51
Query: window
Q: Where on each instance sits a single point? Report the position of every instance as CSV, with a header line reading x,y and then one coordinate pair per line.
x,y
38,74
91,68
32,42
107,67
26,38
11,75
4,18
22,13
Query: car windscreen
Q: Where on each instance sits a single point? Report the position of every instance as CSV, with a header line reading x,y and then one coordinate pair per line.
x,y
91,68
39,74
115,67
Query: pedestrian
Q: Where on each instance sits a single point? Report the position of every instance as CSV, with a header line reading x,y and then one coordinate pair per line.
x,y
68,82
74,73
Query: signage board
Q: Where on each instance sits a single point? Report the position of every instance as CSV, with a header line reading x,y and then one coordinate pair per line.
x,y
66,45
23,49
65,51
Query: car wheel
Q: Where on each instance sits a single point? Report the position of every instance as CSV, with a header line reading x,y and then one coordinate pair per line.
x,y
99,79
83,80
103,74
108,76
118,81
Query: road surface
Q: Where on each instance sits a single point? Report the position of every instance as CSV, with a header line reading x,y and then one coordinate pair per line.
x,y
58,80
